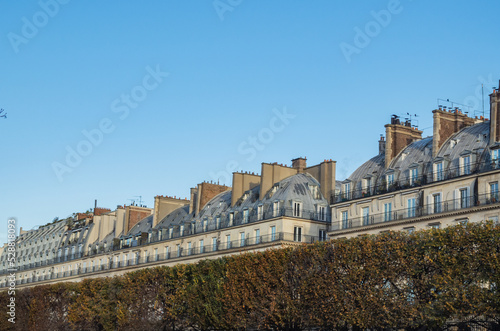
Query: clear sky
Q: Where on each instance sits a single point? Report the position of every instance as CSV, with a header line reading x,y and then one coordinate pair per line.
x,y
111,100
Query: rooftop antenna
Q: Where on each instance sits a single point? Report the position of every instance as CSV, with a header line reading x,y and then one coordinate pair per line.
x,y
4,115
482,92
140,199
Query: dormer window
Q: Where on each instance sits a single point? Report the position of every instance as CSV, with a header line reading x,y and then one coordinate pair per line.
x,y
495,161
346,189
390,180
245,215
297,209
367,184
276,208
413,175
260,212
465,168
438,171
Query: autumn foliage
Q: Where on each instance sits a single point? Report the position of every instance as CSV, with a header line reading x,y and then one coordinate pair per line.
x,y
427,280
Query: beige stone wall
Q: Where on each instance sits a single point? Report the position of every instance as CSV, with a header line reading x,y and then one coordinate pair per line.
x,y
325,175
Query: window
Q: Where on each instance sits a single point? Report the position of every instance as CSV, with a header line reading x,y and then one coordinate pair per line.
x,y
413,176
273,233
344,219
178,246
464,198
387,211
322,235
190,248
321,213
202,248
438,171
410,229
167,252
276,208
495,158
242,239
347,191
296,209
260,212
205,225
297,233
231,218
217,222
214,244
411,207
390,180
156,254
436,203
465,165
367,184
257,236
462,221
494,192
435,225
366,215
228,241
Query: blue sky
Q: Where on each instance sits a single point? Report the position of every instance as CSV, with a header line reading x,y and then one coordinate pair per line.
x,y
172,93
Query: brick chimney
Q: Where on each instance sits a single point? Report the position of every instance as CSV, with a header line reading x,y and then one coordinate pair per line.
x,y
203,193
495,116
446,123
398,136
300,164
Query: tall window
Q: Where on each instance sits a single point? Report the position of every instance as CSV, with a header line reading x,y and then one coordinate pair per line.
x,y
167,252
257,236
388,211
228,241
178,250
190,249
276,208
495,162
245,215
466,165
347,191
297,233
436,203
205,225
202,247
367,184
494,192
321,213
344,220
411,207
217,222
322,235
390,180
366,215
438,174
297,209
464,198
231,218
242,239
156,254
413,175
273,233
260,212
